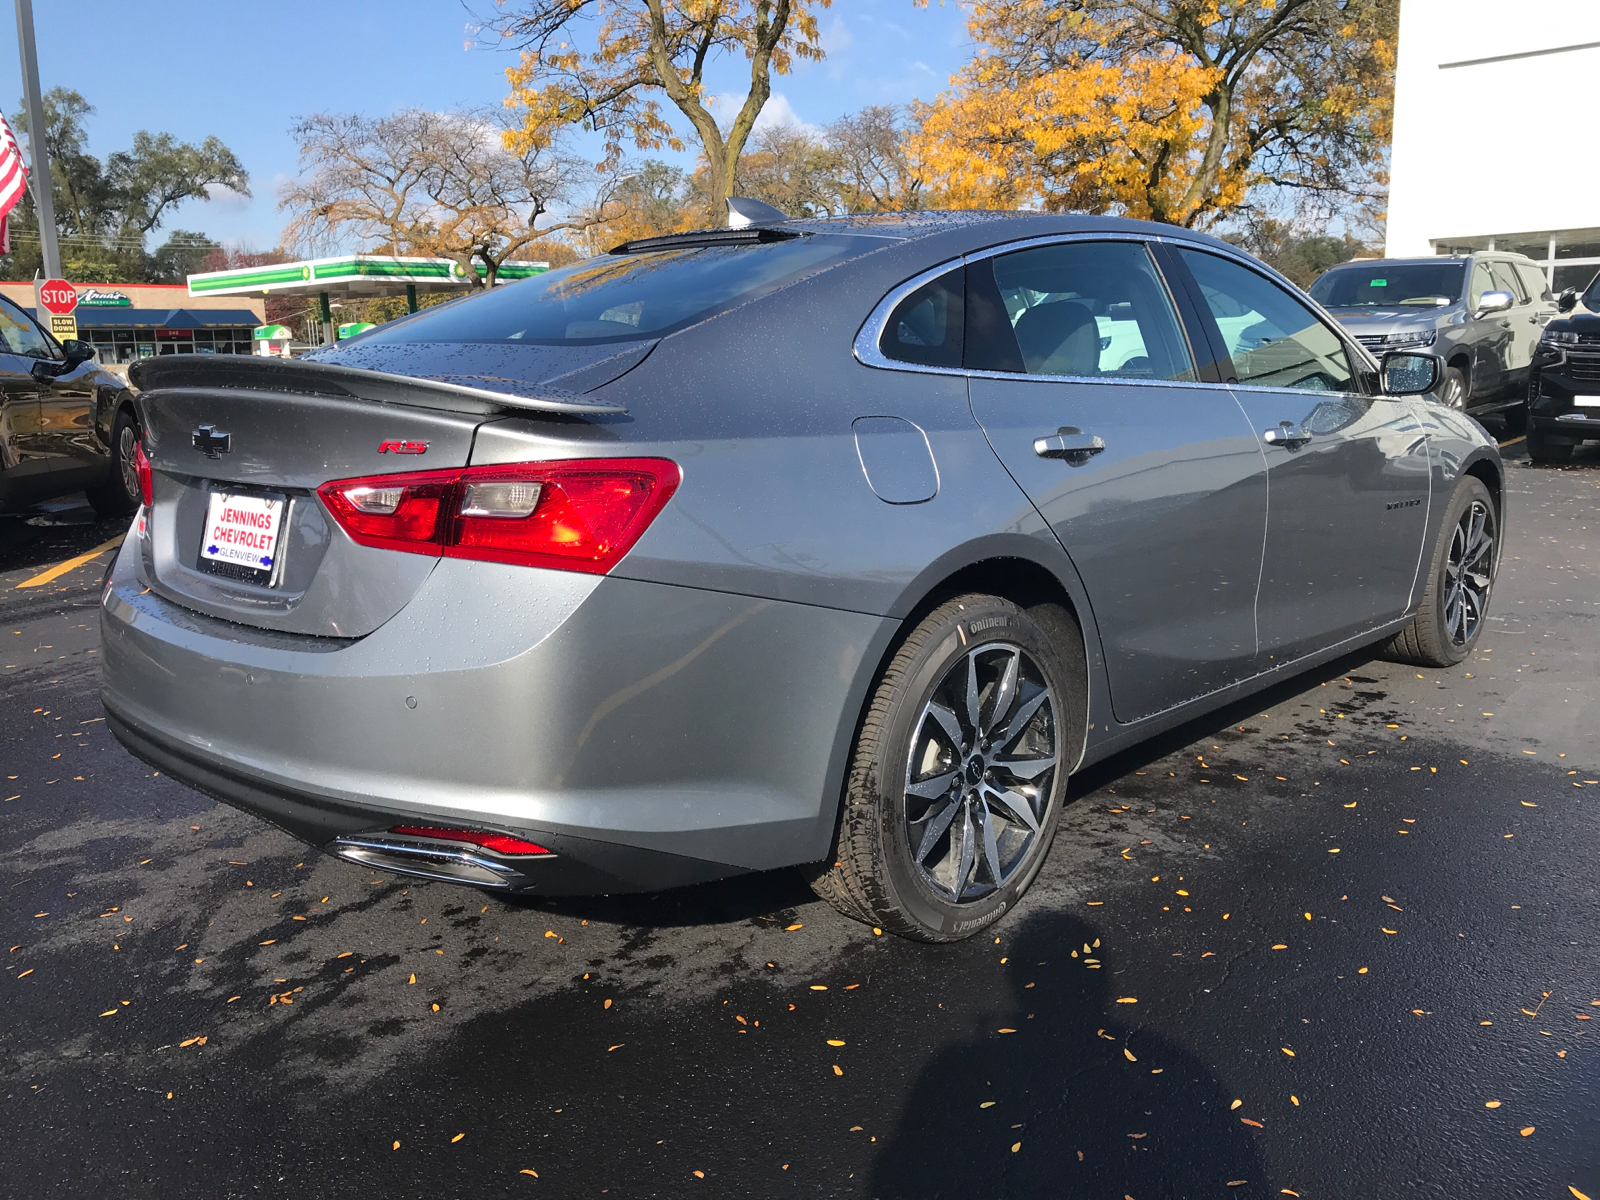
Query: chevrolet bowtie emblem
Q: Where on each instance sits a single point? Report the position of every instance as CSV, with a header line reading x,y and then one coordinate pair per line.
x,y
210,441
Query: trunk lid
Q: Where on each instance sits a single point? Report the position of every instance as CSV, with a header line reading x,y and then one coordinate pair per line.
x,y
265,435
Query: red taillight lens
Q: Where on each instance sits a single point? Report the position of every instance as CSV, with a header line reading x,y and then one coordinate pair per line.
x,y
500,843
141,464
572,515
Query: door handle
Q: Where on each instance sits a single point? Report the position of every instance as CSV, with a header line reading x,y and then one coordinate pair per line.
x,y
1071,443
1288,435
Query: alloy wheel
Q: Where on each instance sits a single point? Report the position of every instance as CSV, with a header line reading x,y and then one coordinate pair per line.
x,y
1455,393
127,460
1469,572
981,772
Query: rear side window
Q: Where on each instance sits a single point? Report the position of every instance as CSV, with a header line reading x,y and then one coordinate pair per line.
x,y
626,297
926,327
1078,309
1273,339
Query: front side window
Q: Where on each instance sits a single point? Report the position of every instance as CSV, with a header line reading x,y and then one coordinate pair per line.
x,y
1538,286
1481,283
22,336
1505,280
1273,339
1079,309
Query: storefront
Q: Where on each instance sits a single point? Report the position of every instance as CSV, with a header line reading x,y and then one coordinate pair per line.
x,y
127,321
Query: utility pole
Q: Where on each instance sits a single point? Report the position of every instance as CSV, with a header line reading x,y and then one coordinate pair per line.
x,y
44,200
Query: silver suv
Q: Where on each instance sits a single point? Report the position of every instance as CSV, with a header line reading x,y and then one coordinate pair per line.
x,y
1482,314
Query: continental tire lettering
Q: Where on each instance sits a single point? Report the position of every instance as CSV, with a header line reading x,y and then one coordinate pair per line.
x,y
977,627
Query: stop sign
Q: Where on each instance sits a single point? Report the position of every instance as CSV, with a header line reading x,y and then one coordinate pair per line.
x,y
58,296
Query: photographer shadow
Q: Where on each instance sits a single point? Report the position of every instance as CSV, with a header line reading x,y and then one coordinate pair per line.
x,y
1085,1100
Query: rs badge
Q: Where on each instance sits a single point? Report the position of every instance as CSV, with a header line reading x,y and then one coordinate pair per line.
x,y
403,448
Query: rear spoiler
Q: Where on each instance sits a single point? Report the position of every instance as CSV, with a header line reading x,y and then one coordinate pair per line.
x,y
262,374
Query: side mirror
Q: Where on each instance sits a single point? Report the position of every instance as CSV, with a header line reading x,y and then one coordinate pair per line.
x,y
74,353
1406,374
1567,301
1494,302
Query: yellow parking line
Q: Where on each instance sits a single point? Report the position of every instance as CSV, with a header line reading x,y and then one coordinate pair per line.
x,y
1514,441
72,564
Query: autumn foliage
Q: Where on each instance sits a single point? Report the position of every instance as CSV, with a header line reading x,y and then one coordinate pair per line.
x,y
1169,110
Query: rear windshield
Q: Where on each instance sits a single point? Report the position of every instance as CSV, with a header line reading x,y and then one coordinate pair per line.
x,y
1382,285
623,298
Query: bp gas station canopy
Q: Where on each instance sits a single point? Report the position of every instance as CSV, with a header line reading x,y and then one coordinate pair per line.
x,y
353,277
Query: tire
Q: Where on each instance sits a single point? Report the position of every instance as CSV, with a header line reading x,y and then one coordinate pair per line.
x,y
981,829
1453,391
119,495
1461,573
1542,450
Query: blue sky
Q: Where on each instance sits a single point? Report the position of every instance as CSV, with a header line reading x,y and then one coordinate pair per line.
x,y
243,72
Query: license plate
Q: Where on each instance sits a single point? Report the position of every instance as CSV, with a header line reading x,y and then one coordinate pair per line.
x,y
241,537
1587,401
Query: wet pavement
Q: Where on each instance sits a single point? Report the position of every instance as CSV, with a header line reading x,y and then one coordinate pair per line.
x,y
1337,941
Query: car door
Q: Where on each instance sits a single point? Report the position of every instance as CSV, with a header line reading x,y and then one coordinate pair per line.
x,y
1347,472
1083,380
1522,321
1490,336
61,435
25,461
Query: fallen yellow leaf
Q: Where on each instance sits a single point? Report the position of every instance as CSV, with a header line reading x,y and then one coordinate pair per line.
x,y
1015,1146
396,1146
1005,1031
788,929
528,1171
1527,1131
837,1069
1129,1054
1288,1051
985,1104
1236,1104
819,987
1128,1000
1491,1104
699,1174
835,1042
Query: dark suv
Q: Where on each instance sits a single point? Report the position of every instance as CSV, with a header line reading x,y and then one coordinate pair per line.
x,y
65,423
1564,391
1482,314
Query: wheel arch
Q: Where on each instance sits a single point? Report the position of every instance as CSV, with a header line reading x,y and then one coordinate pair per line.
x,y
1023,569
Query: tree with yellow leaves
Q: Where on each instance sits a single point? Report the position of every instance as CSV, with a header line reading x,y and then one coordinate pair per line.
x,y
644,49
1170,110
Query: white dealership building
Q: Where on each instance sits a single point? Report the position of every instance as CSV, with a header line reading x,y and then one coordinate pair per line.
x,y
1491,143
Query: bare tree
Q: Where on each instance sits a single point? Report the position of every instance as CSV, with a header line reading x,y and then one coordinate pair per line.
x,y
871,167
437,185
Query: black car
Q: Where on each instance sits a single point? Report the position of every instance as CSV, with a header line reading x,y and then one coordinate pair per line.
x,y
65,424
1564,390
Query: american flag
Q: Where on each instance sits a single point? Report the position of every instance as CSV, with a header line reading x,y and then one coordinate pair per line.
x,y
13,181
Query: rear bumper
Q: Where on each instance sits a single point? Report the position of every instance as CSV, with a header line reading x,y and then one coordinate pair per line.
x,y
577,866
649,735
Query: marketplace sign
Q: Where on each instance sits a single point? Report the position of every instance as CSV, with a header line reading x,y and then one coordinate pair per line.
x,y
98,298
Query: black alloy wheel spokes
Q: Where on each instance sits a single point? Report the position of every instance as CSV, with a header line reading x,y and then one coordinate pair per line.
x,y
127,460
981,772
1469,572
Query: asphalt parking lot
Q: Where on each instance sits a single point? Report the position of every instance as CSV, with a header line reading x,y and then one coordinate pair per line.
x,y
1340,941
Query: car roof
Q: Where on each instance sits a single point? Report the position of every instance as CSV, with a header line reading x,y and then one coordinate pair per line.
x,y
987,226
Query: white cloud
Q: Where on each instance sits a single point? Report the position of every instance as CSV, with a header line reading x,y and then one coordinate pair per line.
x,y
836,37
225,199
777,113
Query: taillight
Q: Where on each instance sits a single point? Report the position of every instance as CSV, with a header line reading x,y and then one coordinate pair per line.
x,y
141,465
572,515
500,843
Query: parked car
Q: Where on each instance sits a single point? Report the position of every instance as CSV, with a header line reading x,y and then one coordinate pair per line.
x,y
1481,313
65,423
833,543
1564,392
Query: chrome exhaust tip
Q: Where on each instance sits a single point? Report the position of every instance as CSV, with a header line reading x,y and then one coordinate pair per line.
x,y
449,863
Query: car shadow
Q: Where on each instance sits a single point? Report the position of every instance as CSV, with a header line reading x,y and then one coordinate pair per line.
x,y
1081,1100
773,896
